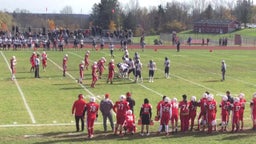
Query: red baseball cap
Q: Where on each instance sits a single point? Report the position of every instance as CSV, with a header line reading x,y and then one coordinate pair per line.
x,y
107,95
128,94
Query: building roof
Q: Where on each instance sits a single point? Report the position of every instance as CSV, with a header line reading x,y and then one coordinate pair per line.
x,y
214,21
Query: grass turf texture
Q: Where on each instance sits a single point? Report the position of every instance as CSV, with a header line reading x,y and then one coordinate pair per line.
x,y
50,98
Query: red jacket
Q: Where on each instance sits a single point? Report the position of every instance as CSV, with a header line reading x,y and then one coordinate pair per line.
x,y
78,107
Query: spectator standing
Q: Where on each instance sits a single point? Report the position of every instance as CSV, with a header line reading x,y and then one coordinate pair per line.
x,y
77,111
223,69
37,64
106,107
102,43
111,49
178,44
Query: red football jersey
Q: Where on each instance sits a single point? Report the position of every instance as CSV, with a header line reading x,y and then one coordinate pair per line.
x,y
224,107
184,107
92,109
146,108
121,107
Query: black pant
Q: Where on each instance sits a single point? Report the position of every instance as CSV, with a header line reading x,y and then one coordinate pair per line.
x,y
37,71
77,122
110,118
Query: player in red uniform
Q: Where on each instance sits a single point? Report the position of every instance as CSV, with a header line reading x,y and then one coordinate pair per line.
x,y
94,74
145,116
77,111
81,72
243,102
175,114
44,60
120,108
129,122
86,60
253,111
101,66
236,114
225,106
64,64
32,61
211,108
157,117
165,115
13,62
192,111
111,71
202,115
92,113
184,113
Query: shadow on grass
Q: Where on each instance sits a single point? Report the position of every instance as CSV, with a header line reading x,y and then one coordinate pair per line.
x,y
69,137
212,81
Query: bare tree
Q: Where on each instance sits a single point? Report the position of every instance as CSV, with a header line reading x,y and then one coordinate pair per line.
x,y
67,10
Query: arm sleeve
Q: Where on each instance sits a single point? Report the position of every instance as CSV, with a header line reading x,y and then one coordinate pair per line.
x,y
85,108
150,113
73,108
141,109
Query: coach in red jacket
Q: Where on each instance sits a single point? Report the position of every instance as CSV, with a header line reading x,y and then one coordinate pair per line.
x,y
77,110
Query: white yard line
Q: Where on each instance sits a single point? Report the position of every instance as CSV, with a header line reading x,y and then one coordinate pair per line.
x,y
41,125
21,92
72,77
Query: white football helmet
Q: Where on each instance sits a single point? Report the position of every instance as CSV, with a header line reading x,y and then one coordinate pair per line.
x,y
204,95
122,97
193,98
236,99
166,99
210,97
174,100
92,99
225,98
129,112
241,95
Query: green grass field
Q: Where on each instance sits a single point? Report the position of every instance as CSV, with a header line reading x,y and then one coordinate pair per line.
x,y
39,110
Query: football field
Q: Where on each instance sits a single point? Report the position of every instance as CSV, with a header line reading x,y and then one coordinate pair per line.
x,y
39,110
